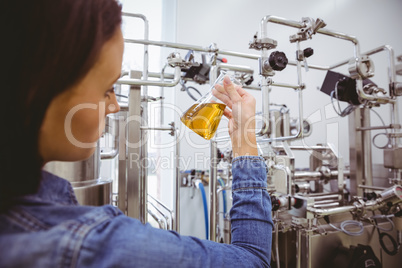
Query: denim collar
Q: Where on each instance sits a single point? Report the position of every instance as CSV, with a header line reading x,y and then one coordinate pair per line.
x,y
52,189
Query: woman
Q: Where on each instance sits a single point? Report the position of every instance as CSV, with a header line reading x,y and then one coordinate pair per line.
x,y
63,56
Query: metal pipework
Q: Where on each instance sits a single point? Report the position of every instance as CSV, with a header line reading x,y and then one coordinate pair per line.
x,y
276,219
296,24
192,47
160,221
167,209
176,223
176,80
146,37
391,195
265,106
162,214
299,134
330,211
265,88
391,76
232,67
112,128
173,131
363,95
213,189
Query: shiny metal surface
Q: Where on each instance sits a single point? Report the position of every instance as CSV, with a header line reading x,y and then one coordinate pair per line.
x,y
213,177
79,171
356,152
393,158
319,249
88,187
98,193
145,82
134,138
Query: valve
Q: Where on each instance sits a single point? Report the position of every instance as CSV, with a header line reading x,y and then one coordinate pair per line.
x,y
308,52
278,60
174,60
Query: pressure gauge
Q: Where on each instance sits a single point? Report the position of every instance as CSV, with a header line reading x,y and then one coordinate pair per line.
x,y
392,195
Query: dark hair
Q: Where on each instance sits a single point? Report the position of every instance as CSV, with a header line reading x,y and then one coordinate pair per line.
x,y
47,46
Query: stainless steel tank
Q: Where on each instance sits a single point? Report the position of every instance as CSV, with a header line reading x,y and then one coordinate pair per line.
x,y
88,187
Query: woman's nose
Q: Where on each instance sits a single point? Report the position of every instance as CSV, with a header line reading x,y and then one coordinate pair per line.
x,y
113,106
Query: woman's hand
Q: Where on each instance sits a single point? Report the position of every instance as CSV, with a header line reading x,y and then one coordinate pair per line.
x,y
241,118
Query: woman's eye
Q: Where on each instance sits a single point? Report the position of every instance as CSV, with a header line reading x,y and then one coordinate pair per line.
x,y
110,91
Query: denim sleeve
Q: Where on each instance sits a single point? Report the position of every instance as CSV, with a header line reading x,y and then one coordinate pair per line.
x,y
125,242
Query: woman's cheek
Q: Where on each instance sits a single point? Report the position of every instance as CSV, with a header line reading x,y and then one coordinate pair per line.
x,y
88,125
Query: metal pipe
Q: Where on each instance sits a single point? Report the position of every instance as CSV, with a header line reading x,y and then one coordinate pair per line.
x,y
330,211
142,82
158,220
302,148
164,207
212,189
113,153
374,188
322,197
307,174
324,204
366,150
161,75
161,204
239,68
265,88
176,223
135,207
252,87
162,94
299,134
322,194
162,214
275,84
157,128
109,155
379,127
277,240
238,54
298,247
296,24
142,183
310,66
122,164
171,45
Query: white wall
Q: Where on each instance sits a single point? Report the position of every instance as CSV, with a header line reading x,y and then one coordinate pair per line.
x,y
232,24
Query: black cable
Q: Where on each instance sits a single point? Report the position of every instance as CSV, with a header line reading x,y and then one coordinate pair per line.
x,y
395,245
121,96
191,95
382,133
381,238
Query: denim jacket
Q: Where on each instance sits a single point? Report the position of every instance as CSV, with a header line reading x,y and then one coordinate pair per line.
x,y
50,229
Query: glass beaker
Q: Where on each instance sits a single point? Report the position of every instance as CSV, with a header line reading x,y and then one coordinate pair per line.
x,y
204,116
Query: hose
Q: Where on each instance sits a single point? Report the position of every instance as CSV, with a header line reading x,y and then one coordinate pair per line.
x,y
223,196
199,185
381,235
347,223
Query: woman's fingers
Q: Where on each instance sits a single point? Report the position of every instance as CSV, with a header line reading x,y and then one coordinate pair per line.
x,y
220,93
227,113
231,90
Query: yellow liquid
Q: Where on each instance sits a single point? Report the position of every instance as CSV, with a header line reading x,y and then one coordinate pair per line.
x,y
204,119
